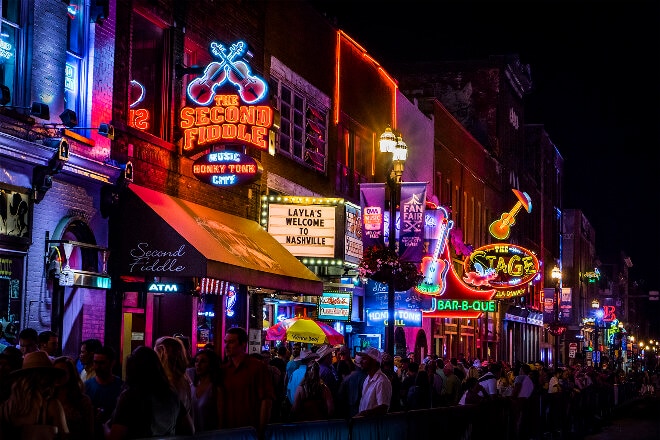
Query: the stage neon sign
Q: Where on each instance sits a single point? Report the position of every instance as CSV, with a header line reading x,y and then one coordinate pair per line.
x,y
507,268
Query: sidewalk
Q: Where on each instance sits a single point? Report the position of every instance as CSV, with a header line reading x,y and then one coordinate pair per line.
x,y
637,420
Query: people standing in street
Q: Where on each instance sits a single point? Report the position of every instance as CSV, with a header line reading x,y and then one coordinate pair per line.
x,y
523,387
295,379
28,340
49,342
104,388
350,393
294,362
313,399
387,367
206,391
435,382
32,400
87,349
328,374
148,405
248,388
78,407
474,393
490,378
11,359
377,388
344,364
451,392
279,361
173,355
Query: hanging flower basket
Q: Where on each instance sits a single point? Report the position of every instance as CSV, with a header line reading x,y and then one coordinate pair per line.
x,y
383,265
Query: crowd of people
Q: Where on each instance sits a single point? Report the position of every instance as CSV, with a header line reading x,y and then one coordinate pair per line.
x,y
167,390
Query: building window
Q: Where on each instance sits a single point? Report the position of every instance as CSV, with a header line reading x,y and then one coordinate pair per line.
x,y
12,286
148,77
14,17
303,130
75,70
303,134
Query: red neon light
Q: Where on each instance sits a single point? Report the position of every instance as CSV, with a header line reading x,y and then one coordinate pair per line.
x,y
342,35
502,266
139,118
457,290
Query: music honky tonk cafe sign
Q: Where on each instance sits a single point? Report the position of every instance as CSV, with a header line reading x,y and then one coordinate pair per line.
x,y
226,103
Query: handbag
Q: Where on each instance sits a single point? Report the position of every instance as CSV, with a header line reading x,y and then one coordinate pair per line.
x,y
40,430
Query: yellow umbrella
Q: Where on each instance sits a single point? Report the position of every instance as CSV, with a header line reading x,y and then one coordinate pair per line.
x,y
304,330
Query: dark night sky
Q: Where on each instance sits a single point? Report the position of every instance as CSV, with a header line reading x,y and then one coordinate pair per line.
x,y
595,69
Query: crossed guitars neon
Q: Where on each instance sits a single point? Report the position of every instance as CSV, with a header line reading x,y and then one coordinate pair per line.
x,y
251,88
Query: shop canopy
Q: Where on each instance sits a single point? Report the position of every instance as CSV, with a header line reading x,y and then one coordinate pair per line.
x,y
167,237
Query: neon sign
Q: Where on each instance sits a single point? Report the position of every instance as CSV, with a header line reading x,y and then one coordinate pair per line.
x,y
6,48
69,77
225,168
455,299
138,118
335,306
163,287
504,267
453,305
226,121
403,318
223,96
226,70
501,228
434,268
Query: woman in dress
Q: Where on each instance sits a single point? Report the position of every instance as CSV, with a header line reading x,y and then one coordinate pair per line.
x,y
78,407
148,406
174,358
206,391
313,399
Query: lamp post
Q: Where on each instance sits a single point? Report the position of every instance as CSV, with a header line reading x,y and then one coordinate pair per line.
x,y
391,144
595,305
556,275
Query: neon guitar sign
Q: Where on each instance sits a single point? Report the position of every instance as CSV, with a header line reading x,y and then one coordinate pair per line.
x,y
227,70
501,228
434,269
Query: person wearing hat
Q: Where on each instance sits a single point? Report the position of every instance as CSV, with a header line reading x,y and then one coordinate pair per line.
x,y
377,389
328,375
31,405
297,376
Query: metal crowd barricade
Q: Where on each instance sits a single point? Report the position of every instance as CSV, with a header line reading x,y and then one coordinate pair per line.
x,y
557,415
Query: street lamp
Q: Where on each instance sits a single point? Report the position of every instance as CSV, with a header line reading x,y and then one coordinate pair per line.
x,y
556,275
391,144
595,304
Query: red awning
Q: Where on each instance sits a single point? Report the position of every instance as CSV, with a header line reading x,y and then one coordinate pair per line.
x,y
170,237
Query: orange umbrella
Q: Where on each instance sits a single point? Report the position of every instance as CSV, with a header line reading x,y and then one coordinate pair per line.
x,y
304,330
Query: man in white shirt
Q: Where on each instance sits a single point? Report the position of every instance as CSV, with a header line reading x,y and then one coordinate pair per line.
x,y
523,386
377,388
489,380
